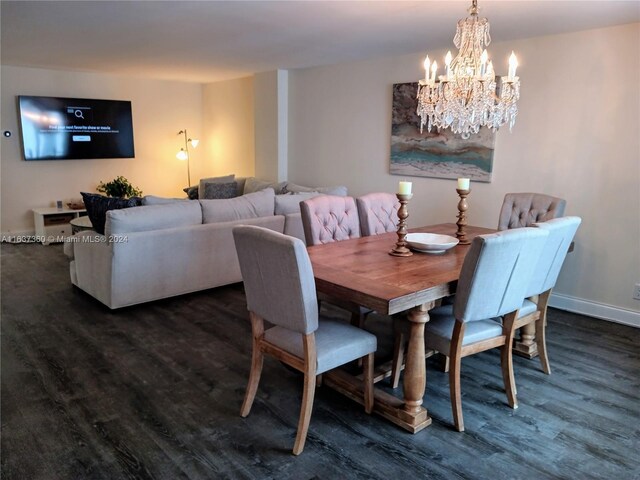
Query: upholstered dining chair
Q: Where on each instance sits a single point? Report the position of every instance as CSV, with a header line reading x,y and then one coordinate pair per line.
x,y
534,308
378,213
524,209
328,219
280,288
492,284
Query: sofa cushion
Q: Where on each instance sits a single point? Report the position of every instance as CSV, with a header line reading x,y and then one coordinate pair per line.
x,y
153,217
340,190
220,190
97,206
154,200
251,205
290,203
203,181
252,184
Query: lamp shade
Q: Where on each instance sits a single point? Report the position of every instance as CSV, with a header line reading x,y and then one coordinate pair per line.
x,y
182,155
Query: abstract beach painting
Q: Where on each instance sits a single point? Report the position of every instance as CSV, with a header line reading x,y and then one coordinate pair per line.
x,y
435,154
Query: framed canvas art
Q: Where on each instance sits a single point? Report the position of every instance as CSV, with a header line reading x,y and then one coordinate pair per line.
x,y
435,154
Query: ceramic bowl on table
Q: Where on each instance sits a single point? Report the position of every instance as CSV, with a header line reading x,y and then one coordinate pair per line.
x,y
430,242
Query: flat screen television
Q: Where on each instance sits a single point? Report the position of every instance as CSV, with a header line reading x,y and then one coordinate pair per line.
x,y
55,128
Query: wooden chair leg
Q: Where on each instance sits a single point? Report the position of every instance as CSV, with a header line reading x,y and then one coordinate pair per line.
x,y
398,358
541,332
257,328
506,359
307,394
455,356
367,363
444,362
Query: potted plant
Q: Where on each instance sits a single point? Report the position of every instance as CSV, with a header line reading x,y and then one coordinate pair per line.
x,y
119,187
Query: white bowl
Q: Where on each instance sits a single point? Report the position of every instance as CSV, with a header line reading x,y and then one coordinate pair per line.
x,y
431,242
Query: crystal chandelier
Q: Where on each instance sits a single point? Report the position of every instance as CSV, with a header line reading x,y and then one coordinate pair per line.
x,y
465,97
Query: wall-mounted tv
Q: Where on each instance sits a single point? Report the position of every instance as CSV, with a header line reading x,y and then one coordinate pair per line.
x,y
55,128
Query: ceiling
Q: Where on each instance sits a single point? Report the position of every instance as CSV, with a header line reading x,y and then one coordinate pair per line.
x,y
205,41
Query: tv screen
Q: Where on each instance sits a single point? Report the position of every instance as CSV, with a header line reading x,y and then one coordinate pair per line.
x,y
55,128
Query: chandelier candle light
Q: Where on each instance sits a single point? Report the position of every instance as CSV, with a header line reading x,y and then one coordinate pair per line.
x,y
183,154
404,195
463,192
464,98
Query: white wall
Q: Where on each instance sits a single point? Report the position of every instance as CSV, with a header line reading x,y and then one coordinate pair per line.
x,y
160,110
576,137
229,140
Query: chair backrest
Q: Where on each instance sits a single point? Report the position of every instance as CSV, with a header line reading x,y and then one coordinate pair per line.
x,y
496,272
278,278
378,213
525,209
329,218
561,233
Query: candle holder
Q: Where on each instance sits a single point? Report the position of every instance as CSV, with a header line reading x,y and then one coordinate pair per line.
x,y
462,217
401,249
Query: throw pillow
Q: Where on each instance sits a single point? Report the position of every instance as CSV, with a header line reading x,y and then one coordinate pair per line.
x,y
290,203
192,192
220,190
97,207
340,190
252,205
225,179
252,185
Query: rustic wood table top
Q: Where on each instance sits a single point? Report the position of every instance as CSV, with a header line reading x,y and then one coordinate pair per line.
x,y
362,271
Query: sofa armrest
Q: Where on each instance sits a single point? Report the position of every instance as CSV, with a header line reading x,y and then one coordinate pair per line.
x,y
93,258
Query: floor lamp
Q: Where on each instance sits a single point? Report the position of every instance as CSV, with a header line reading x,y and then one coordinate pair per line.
x,y
183,154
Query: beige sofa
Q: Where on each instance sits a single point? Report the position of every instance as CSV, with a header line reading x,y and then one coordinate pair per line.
x,y
158,251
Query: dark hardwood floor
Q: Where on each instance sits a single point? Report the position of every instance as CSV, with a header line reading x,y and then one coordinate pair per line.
x,y
154,391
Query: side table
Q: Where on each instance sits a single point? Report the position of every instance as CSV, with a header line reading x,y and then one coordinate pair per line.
x,y
80,224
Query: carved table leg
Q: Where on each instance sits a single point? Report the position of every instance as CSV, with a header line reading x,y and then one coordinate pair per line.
x,y
415,371
526,346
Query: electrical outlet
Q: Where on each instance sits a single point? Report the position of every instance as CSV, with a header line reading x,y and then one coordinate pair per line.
x,y
636,292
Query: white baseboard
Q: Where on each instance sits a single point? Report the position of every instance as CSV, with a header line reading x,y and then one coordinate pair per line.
x,y
595,309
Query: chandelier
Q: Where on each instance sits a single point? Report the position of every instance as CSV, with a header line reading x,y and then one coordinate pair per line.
x,y
465,97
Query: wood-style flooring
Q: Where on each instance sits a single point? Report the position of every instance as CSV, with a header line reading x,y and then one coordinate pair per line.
x,y
154,391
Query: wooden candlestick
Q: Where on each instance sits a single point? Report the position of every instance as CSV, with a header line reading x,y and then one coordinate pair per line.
x,y
462,217
401,249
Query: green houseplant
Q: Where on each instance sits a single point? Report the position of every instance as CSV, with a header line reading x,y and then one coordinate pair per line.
x,y
119,187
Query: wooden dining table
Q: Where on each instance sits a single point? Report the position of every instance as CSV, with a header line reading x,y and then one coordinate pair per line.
x,y
361,271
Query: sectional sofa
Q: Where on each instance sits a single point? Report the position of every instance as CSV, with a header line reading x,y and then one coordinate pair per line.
x,y
173,247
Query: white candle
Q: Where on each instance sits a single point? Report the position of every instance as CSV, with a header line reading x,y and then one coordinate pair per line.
x,y
513,64
427,66
463,184
404,188
434,69
447,62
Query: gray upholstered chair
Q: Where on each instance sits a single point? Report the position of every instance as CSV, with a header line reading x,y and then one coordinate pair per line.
x,y
534,308
328,219
378,213
524,209
280,288
493,280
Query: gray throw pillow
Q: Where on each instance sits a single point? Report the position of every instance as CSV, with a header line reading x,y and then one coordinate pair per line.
x,y
154,200
225,179
340,190
252,185
220,190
